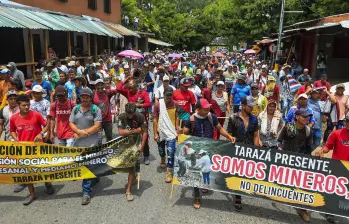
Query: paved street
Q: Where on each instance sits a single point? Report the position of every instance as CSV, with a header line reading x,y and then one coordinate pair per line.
x,y
152,204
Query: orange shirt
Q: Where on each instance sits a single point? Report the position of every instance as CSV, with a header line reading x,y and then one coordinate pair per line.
x,y
3,89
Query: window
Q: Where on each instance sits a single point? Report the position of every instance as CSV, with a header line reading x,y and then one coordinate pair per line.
x,y
92,4
107,6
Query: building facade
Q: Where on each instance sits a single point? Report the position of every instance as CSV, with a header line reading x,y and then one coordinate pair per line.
x,y
105,10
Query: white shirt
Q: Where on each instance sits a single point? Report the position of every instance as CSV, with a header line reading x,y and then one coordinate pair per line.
x,y
196,90
43,107
64,69
204,163
159,92
136,19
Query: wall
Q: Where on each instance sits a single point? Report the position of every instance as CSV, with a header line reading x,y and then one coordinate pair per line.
x,y
337,68
79,7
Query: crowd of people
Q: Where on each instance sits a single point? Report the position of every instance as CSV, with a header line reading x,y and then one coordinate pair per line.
x,y
238,97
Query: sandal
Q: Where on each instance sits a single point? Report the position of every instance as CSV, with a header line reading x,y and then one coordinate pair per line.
x,y
129,196
197,203
238,205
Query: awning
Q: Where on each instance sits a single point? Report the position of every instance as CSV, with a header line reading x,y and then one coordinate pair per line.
x,y
159,42
122,30
5,22
101,28
16,16
326,25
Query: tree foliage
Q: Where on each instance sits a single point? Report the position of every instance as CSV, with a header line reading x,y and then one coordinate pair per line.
x,y
195,23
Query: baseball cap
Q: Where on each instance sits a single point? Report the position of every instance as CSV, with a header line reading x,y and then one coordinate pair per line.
x,y
202,151
185,82
198,71
340,86
203,103
99,81
271,78
306,70
60,91
248,100
126,66
271,101
49,64
165,78
303,96
11,92
11,64
130,108
241,77
86,92
168,91
220,83
220,69
38,89
303,112
5,71
315,90
167,64
264,66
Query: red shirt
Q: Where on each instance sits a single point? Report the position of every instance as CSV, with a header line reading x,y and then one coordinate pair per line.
x,y
275,94
302,89
61,112
339,142
184,100
28,127
318,84
102,100
140,97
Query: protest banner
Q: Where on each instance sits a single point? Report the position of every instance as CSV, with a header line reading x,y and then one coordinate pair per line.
x,y
25,162
297,180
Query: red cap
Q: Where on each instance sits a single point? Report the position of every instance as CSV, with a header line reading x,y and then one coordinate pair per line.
x,y
204,104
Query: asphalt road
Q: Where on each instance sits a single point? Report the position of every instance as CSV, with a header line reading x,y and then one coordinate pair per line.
x,y
152,204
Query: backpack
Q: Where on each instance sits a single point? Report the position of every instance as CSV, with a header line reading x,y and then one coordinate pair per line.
x,y
192,123
94,109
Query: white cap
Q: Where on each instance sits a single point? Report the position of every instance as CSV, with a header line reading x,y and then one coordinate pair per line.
x,y
165,78
303,95
38,89
99,81
71,63
126,66
220,83
202,151
306,70
188,142
258,62
264,66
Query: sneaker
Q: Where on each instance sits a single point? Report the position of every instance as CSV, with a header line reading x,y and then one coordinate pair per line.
x,y
304,215
168,175
86,199
330,218
146,160
129,196
29,200
19,188
49,189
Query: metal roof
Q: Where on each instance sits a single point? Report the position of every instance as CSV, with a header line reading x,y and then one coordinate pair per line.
x,y
159,42
5,22
74,26
101,28
323,26
16,16
121,30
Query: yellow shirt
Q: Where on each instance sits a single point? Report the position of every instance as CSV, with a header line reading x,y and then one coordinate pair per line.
x,y
260,103
4,100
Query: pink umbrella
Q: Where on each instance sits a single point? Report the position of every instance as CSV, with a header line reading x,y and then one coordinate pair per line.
x,y
218,54
131,54
175,55
249,51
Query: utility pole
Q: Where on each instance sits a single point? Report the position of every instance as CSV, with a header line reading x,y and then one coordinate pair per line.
x,y
278,53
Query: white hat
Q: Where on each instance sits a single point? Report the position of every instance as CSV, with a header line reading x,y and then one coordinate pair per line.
x,y
258,62
99,81
198,71
126,66
306,70
165,78
202,151
98,64
188,142
220,83
303,95
71,63
38,89
264,66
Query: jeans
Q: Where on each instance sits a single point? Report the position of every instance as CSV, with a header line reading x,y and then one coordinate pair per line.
x,y
87,185
206,177
317,135
328,130
108,130
170,147
286,104
65,142
151,100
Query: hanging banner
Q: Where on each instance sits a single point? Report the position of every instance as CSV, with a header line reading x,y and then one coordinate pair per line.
x,y
297,180
22,163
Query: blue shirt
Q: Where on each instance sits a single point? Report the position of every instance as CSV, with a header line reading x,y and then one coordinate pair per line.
x,y
239,92
317,115
149,78
70,86
47,89
291,116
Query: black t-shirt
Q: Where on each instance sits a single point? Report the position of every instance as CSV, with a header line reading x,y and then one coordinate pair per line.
x,y
202,127
236,128
138,121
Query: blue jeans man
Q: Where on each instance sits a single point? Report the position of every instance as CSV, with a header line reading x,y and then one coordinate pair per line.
x,y
317,135
286,104
168,147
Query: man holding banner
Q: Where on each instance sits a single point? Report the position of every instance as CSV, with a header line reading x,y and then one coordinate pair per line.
x,y
85,121
202,124
132,123
26,126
